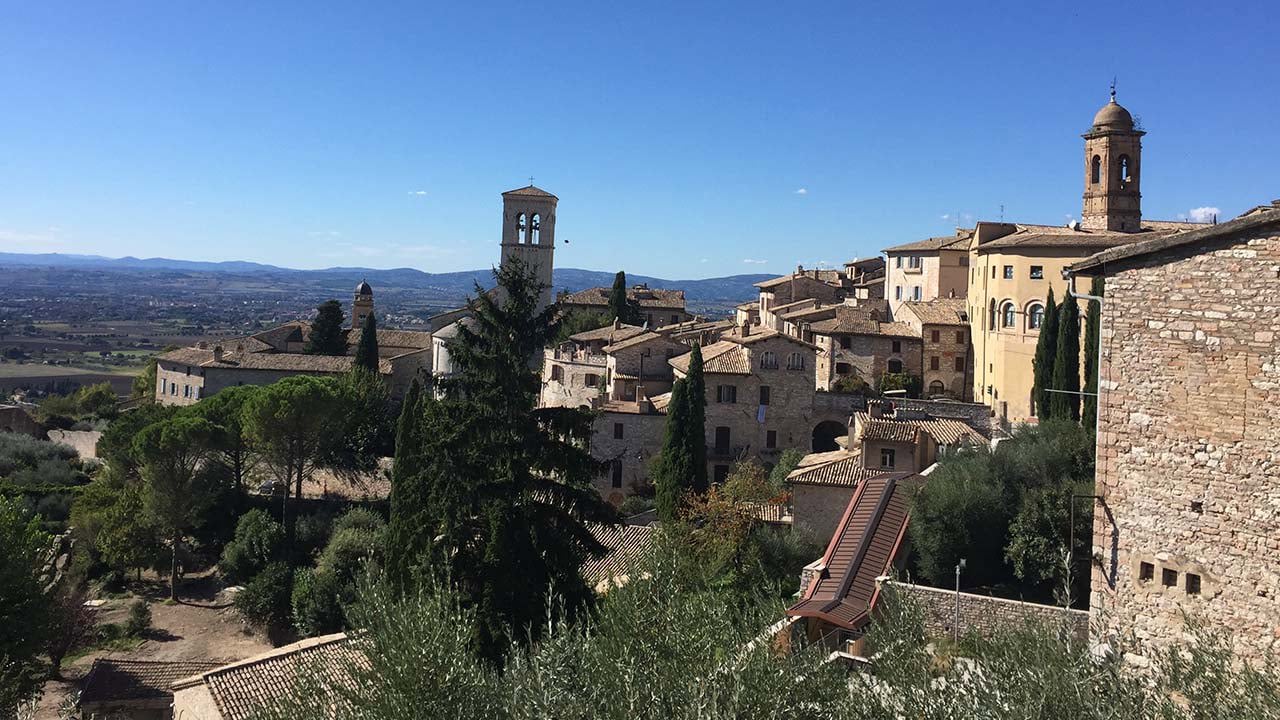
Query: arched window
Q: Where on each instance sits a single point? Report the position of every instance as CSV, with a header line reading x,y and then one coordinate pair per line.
x,y
535,229
1009,315
895,366
1095,172
768,361
795,361
522,229
991,312
1035,316
937,388
1126,169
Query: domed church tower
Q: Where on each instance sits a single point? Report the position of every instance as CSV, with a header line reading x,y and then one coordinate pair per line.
x,y
1112,169
529,233
362,305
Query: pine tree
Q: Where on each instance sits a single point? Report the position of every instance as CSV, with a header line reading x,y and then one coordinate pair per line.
x,y
1042,364
367,350
696,398
1092,339
508,490
1066,365
674,468
327,336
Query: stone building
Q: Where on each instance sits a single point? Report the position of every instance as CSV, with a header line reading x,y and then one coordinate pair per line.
x,y
942,324
854,343
658,308
575,373
1188,472
927,269
860,280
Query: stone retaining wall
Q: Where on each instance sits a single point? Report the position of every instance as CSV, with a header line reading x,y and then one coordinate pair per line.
x,y
984,614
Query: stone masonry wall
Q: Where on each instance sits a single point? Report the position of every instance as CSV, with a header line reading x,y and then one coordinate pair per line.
x,y
984,615
1189,446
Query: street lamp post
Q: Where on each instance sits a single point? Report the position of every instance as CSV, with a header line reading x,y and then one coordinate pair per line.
x,y
955,628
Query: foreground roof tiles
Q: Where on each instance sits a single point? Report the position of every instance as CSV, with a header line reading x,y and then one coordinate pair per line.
x,y
113,681
838,468
626,546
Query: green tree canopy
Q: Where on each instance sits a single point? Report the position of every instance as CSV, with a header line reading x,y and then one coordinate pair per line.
x,y
620,306
1046,354
328,334
673,470
1092,338
1065,405
23,604
367,350
225,409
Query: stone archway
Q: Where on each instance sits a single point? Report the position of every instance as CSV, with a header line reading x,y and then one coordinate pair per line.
x,y
825,434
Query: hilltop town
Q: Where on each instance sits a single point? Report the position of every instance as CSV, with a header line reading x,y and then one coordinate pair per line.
x,y
1020,459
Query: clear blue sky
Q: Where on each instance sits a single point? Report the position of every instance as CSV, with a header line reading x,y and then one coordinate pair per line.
x,y
684,139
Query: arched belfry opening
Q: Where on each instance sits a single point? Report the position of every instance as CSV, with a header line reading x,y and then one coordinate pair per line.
x,y
1113,149
528,233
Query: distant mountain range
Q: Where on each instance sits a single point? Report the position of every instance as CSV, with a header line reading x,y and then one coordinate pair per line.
x,y
719,292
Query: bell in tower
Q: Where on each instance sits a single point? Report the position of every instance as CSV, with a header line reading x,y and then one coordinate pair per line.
x,y
529,233
1113,161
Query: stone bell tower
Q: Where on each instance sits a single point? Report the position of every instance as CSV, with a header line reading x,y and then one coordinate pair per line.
x,y
529,233
361,305
1112,170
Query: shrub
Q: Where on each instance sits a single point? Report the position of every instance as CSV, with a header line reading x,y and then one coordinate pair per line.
x,y
312,534
139,621
348,551
634,505
317,603
360,519
266,600
258,542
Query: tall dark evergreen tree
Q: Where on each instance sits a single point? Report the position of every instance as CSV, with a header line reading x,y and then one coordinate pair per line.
x,y
406,544
673,470
620,306
327,335
1066,366
1046,353
1092,339
696,398
367,350
508,490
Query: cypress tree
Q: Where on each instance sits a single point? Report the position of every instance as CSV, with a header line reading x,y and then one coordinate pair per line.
x,y
1092,339
1046,352
1066,365
327,336
673,472
508,486
367,350
696,398
618,297
404,539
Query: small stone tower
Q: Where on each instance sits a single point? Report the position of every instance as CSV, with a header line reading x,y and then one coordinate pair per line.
x,y
529,233
1112,170
362,305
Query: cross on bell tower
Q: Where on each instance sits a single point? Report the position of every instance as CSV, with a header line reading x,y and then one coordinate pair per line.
x,y
529,233
1113,160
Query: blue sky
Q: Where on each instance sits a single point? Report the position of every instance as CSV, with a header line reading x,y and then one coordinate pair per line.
x,y
684,140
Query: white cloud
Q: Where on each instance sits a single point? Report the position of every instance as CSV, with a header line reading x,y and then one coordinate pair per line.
x,y
802,191
37,242
750,261
959,218
325,233
1202,214
418,193
704,260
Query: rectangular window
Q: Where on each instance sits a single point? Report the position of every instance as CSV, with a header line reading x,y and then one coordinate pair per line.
x,y
1169,578
935,335
934,362
846,342
964,261
1008,272
764,394
897,291
1146,572
1193,584
897,346
615,472
721,473
771,439
887,458
915,292
959,337
1037,272
913,262
897,262
675,319
617,431
722,440
727,393
993,272
960,363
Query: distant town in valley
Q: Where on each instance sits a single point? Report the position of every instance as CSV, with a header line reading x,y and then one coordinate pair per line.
x,y
1024,468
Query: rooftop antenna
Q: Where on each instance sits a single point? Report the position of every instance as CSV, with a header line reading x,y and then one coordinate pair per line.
x,y
1001,212
531,177
1113,88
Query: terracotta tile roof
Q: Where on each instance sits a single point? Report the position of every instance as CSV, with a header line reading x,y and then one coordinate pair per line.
x,y
933,244
749,305
660,402
759,334
608,333
636,339
944,431
287,362
839,468
723,357
646,297
940,311
112,681
1049,236
888,430
862,548
243,689
408,340
531,191
804,304
858,320
626,546
828,277
1256,219
769,512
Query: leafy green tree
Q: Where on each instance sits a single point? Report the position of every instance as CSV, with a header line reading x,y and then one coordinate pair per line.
x,y
225,409
127,538
1092,338
294,423
144,385
365,426
116,447
961,512
1042,363
1066,365
902,381
267,599
97,401
328,335
316,602
620,306
1037,549
508,485
787,461
24,609
573,322
681,468
178,489
367,350
258,542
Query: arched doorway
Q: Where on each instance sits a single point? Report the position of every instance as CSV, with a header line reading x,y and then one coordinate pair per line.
x,y
825,434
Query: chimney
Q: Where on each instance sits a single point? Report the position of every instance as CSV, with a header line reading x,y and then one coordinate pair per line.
x,y
617,323
875,409
745,328
642,399
217,353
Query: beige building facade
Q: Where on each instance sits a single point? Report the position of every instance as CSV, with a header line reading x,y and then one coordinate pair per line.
x,y
927,269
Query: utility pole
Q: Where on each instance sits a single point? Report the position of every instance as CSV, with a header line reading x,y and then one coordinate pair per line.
x,y
955,628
